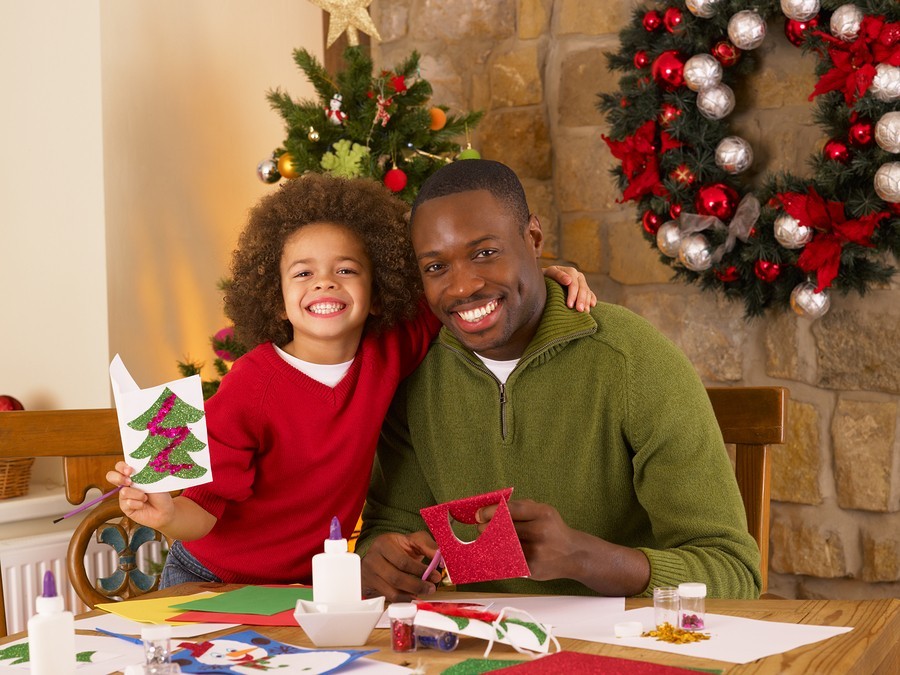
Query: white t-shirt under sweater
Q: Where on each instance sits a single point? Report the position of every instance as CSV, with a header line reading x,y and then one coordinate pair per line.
x,y
500,369
329,374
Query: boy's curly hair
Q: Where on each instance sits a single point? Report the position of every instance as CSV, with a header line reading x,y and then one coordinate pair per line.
x,y
253,299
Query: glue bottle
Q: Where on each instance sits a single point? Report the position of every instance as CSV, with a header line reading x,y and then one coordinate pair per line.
x,y
51,633
335,573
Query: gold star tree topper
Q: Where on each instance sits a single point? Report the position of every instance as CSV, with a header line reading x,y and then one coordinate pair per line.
x,y
350,16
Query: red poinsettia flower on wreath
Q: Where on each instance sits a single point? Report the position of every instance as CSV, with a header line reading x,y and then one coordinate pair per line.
x,y
639,155
854,62
833,230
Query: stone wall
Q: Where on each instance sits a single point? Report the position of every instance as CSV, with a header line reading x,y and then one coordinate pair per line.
x,y
536,67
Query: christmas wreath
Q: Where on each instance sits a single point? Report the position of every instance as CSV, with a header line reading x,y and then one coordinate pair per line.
x,y
795,239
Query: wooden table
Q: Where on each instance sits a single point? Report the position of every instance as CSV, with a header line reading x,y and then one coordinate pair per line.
x,y
873,646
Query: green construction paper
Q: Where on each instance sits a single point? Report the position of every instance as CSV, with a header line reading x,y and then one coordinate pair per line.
x,y
478,666
263,600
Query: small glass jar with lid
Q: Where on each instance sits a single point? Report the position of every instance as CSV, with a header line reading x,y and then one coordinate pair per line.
x,y
692,612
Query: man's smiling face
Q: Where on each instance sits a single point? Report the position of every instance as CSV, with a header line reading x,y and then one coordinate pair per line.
x,y
480,271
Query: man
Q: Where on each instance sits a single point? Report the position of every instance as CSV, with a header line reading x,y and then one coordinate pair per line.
x,y
597,421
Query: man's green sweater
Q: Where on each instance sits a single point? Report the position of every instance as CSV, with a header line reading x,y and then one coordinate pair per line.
x,y
602,418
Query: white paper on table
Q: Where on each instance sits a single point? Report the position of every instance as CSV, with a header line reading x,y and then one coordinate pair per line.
x,y
119,624
108,654
581,617
732,639
133,402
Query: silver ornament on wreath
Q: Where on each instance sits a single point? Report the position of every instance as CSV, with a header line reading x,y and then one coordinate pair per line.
x,y
800,10
845,22
702,71
886,83
790,233
747,29
734,155
716,102
267,171
668,238
887,182
887,132
702,8
695,253
809,304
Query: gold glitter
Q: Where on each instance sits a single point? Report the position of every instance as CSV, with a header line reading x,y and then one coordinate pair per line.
x,y
350,16
668,633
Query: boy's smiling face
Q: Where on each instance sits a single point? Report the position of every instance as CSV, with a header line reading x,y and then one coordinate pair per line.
x,y
326,283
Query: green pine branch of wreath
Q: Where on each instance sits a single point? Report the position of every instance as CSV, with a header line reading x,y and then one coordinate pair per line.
x,y
380,126
796,239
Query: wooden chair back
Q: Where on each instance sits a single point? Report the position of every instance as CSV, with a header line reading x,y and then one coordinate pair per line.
x,y
90,444
753,418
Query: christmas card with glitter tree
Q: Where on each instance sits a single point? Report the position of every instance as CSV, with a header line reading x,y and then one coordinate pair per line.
x,y
163,431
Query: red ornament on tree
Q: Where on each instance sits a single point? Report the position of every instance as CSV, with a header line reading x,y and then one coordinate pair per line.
x,y
795,31
668,113
836,151
861,133
668,70
10,403
726,53
726,274
767,271
395,180
641,59
675,211
651,21
683,174
718,199
651,222
673,19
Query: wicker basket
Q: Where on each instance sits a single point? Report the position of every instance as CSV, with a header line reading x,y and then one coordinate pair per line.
x,y
15,475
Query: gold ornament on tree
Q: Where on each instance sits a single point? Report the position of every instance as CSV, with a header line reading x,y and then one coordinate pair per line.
x,y
350,16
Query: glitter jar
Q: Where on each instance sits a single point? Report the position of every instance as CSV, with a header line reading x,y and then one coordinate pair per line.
x,y
432,638
665,606
692,615
403,637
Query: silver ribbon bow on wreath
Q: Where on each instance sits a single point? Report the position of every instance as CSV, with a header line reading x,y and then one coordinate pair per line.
x,y
694,251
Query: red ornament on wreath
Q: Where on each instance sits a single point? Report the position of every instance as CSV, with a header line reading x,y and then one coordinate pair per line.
x,y
766,270
641,59
796,31
673,19
683,174
836,151
726,53
675,211
668,113
651,222
395,180
726,275
668,69
861,133
718,199
651,21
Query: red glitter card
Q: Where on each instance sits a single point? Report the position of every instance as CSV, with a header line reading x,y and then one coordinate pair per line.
x,y
495,554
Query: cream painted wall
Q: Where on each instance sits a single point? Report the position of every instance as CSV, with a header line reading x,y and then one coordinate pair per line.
x,y
130,135
185,122
54,343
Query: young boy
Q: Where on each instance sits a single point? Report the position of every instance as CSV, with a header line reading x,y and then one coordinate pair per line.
x,y
326,289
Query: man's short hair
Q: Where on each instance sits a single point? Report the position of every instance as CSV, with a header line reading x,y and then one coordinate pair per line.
x,y
477,174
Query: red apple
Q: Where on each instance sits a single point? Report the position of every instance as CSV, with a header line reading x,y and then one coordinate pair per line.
x,y
10,403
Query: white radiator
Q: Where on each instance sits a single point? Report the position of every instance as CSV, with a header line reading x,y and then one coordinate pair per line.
x,y
23,562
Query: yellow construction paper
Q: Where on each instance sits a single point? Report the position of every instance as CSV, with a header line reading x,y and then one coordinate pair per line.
x,y
152,610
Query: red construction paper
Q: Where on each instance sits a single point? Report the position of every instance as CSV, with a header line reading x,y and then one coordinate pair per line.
x,y
285,618
576,663
495,554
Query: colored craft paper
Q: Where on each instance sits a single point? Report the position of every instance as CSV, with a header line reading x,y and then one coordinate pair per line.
x,y
495,554
285,618
249,653
95,655
265,600
150,610
575,663
478,666
163,431
118,624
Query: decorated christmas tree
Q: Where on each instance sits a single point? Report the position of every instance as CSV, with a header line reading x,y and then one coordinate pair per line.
x,y
380,126
169,441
